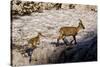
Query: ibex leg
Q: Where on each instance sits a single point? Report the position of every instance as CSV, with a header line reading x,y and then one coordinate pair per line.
x,y
63,38
58,40
75,39
60,37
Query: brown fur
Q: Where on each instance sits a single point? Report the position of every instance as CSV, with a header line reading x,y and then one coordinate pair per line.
x,y
35,40
70,31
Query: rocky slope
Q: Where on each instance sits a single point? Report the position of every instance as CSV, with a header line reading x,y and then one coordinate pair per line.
x,y
48,23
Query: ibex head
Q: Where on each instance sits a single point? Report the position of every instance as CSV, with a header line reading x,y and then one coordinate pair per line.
x,y
81,24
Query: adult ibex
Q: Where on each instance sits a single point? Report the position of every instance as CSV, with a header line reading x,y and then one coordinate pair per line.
x,y
70,31
35,40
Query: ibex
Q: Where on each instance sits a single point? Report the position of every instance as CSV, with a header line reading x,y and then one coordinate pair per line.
x,y
70,31
35,40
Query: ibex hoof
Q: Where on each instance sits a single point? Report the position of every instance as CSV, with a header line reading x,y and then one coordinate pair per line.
x,y
57,44
75,43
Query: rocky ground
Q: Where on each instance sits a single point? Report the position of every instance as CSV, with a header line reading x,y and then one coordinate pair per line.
x,y
48,23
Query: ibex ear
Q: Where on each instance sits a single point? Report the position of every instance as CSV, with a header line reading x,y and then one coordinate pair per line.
x,y
80,21
41,34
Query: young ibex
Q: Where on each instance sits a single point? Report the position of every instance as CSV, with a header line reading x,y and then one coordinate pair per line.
x,y
70,31
35,40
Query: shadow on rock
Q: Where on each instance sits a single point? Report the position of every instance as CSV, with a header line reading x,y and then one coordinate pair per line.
x,y
65,42
83,51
